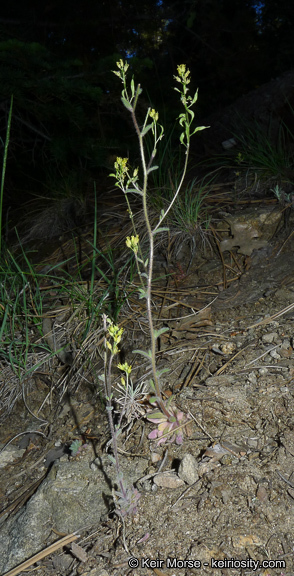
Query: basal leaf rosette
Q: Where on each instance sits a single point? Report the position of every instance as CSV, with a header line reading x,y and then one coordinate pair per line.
x,y
171,427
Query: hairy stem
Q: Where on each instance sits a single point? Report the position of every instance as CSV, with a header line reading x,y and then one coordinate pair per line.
x,y
109,407
150,266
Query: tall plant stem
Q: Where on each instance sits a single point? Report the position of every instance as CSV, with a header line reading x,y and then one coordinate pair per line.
x,y
109,409
177,190
150,266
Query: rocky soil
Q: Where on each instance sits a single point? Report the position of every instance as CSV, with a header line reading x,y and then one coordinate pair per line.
x,y
222,500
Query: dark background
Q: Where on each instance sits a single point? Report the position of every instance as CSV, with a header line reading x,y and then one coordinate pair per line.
x,y
56,59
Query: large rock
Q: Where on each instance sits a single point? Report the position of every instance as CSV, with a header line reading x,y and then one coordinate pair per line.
x,y
75,494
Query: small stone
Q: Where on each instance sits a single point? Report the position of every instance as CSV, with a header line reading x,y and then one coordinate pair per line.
x,y
274,354
263,371
252,442
262,493
228,347
10,454
284,389
286,352
270,337
155,457
252,378
253,456
274,324
168,480
188,469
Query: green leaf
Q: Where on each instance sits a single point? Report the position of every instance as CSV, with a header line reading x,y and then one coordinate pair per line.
x,y
191,114
161,371
199,128
152,169
146,129
158,333
133,87
156,414
127,105
195,97
152,385
143,353
160,230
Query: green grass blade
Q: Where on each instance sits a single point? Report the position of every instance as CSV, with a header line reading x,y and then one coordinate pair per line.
x,y
4,167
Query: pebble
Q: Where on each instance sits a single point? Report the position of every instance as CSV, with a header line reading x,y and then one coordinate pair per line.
x,y
285,344
284,389
188,469
252,378
262,494
10,454
227,347
168,480
155,457
263,371
274,354
252,442
270,337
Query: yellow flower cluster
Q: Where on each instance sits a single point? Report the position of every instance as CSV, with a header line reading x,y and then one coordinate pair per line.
x,y
125,368
121,165
133,243
153,114
116,333
122,69
183,74
122,65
